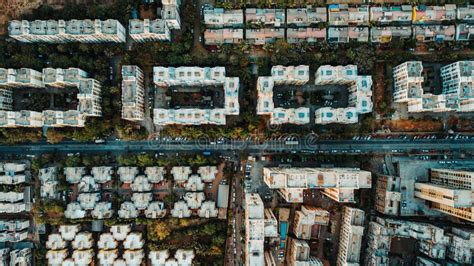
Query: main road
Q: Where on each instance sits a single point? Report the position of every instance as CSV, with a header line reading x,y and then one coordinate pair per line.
x,y
310,145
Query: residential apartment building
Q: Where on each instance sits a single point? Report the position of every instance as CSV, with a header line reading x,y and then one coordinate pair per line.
x,y
223,36
386,34
350,239
407,81
88,97
465,13
347,34
434,33
12,173
437,244
424,14
299,254
6,99
255,231
306,17
71,246
360,94
223,18
458,80
60,31
384,15
194,201
196,77
266,17
344,15
457,85
170,13
450,192
309,35
162,257
263,36
149,30
336,183
281,75
464,32
388,196
133,91
306,218
14,230
23,77
16,257
49,183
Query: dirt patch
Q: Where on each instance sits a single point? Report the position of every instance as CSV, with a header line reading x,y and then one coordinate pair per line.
x,y
414,125
379,88
461,124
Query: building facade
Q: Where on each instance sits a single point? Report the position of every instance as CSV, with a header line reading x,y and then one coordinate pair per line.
x,y
89,97
336,183
350,239
60,31
133,91
166,77
450,192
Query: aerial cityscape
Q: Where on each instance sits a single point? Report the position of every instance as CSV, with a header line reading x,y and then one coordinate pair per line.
x,y
236,133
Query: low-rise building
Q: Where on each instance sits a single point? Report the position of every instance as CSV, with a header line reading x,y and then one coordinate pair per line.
x,y
309,35
350,239
344,15
49,182
423,14
223,36
12,173
162,257
306,17
465,13
434,33
133,91
386,34
60,31
72,247
170,13
391,14
148,30
258,17
20,257
223,18
464,32
261,36
14,230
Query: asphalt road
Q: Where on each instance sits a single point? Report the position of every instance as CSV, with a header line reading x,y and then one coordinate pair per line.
x,y
305,145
